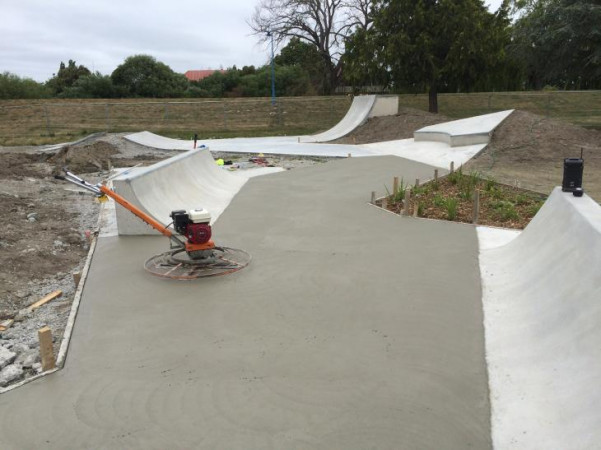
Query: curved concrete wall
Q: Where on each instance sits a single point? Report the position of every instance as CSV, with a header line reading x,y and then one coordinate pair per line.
x,y
542,304
356,116
186,181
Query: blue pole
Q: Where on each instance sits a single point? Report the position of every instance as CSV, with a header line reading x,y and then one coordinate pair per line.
x,y
270,34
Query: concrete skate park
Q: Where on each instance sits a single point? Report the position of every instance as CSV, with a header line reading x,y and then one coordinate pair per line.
x,y
351,328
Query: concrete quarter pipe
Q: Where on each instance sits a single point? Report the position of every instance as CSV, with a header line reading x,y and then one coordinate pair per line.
x,y
186,181
362,108
541,295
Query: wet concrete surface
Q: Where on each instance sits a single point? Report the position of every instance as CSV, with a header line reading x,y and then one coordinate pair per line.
x,y
351,329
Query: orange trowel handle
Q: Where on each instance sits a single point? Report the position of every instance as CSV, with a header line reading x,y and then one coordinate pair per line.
x,y
135,210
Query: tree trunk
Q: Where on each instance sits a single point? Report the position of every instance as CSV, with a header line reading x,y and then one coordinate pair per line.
x,y
433,99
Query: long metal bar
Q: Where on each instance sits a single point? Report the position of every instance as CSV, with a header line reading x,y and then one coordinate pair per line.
x,y
135,210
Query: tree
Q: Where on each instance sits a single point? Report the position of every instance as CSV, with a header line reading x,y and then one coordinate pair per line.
x,y
321,23
305,56
436,45
94,85
559,43
66,76
144,76
13,86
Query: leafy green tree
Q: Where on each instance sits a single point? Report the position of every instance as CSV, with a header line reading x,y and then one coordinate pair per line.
x,y
94,85
12,86
66,76
559,43
144,76
305,56
436,45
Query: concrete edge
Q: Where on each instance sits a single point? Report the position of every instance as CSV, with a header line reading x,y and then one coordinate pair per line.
x,y
54,147
458,140
68,332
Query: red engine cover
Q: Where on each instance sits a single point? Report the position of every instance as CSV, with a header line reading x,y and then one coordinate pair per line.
x,y
198,233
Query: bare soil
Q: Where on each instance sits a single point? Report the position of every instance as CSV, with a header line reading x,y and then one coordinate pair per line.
x,y
528,150
390,128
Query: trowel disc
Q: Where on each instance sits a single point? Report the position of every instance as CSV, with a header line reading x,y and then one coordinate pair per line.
x,y
177,265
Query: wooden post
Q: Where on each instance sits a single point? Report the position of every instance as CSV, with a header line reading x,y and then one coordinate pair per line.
x,y
373,197
476,206
349,155
417,182
76,278
452,166
406,202
415,208
46,350
435,174
395,185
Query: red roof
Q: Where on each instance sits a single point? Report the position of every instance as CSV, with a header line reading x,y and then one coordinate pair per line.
x,y
195,75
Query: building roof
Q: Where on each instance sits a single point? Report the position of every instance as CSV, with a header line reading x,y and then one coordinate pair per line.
x,y
196,75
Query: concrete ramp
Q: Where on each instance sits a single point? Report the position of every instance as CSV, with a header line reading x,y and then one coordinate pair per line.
x,y
152,140
542,305
185,181
362,108
470,131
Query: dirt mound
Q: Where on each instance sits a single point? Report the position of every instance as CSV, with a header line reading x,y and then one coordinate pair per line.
x,y
528,150
89,158
390,128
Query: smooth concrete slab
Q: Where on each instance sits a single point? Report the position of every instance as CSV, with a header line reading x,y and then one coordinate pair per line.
x,y
541,295
352,328
470,131
436,154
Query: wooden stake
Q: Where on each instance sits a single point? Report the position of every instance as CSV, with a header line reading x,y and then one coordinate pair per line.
x,y
435,174
45,300
417,182
76,278
476,206
349,155
373,197
395,185
452,166
46,350
406,202
415,208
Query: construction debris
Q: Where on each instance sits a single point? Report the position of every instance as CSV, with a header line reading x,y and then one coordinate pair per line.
x,y
45,300
6,324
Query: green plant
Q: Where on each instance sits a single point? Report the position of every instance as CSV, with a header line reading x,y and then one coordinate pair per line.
x,y
490,184
420,209
505,210
451,207
522,199
455,177
398,196
439,201
534,208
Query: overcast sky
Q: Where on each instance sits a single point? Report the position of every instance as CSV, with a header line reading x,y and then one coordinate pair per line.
x,y
36,35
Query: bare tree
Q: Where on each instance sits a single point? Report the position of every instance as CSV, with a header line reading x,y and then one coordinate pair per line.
x,y
323,23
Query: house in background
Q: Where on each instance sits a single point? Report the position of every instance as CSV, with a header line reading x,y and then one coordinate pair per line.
x,y
197,75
